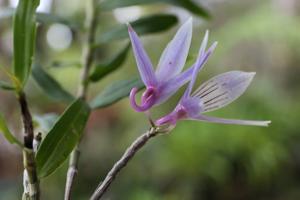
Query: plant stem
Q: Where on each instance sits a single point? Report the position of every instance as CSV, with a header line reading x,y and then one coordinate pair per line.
x,y
87,60
119,165
31,182
88,50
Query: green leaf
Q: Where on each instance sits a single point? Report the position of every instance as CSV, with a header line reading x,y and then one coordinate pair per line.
x,y
187,4
62,138
7,134
115,92
24,38
6,86
109,66
145,25
50,86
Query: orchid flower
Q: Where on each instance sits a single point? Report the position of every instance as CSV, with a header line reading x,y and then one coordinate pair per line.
x,y
167,78
213,94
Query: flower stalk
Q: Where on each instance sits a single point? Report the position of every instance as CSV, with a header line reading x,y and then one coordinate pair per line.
x,y
130,152
87,60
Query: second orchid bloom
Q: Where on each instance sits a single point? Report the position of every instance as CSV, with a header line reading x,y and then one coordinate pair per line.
x,y
168,78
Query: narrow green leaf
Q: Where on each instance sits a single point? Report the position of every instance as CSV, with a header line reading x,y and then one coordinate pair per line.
x,y
6,86
115,92
62,138
145,25
109,66
7,134
187,4
50,86
24,38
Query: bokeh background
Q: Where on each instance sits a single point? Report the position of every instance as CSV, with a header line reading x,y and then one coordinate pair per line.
x,y
197,160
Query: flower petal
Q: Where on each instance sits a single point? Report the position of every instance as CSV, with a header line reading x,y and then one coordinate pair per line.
x,y
231,121
168,88
204,43
174,56
143,62
146,104
201,60
223,89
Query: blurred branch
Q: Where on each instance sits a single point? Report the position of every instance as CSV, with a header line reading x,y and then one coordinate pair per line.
x,y
127,156
88,50
87,60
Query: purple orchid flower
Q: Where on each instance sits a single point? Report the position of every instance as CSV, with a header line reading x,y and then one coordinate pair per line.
x,y
167,78
215,93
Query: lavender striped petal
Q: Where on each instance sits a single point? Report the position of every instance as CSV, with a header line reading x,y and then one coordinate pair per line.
x,y
143,62
223,89
174,56
231,121
201,60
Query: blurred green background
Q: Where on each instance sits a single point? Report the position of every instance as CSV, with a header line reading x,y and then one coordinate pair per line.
x,y
197,160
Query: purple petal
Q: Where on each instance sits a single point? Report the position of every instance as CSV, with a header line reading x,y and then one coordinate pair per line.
x,y
143,62
146,103
204,43
168,119
174,56
231,121
201,60
191,106
168,88
223,89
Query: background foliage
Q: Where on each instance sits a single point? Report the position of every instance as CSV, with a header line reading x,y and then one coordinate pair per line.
x,y
197,160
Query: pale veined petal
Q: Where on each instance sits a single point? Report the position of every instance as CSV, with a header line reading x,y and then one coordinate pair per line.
x,y
174,56
231,121
223,89
143,62
201,60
